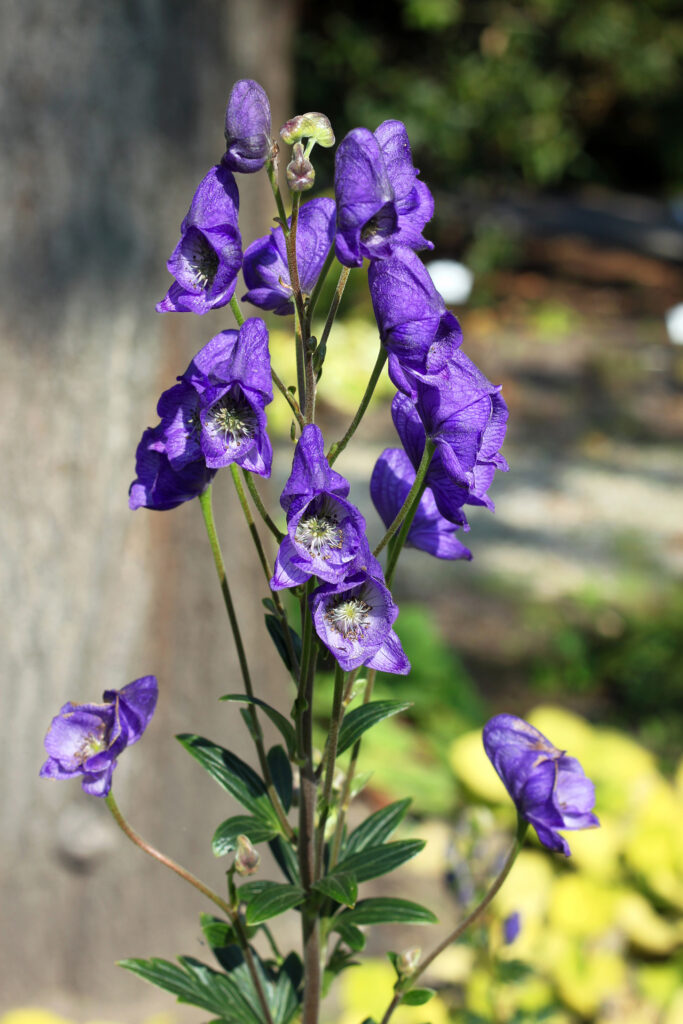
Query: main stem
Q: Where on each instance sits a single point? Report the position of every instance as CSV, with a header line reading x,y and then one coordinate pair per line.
x,y
206,505
410,496
345,799
330,758
187,876
464,925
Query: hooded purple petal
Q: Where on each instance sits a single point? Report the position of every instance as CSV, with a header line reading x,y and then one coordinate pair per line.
x,y
414,201
247,127
266,272
391,480
415,327
208,256
158,485
85,739
311,472
549,789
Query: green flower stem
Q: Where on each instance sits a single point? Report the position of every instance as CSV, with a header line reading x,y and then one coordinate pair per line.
x,y
300,372
345,798
410,497
396,545
318,287
288,397
406,985
206,506
262,510
271,171
237,312
282,615
330,758
187,876
339,446
334,305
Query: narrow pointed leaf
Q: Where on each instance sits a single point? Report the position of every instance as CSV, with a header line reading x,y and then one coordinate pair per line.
x,y
378,827
387,910
380,860
351,935
273,899
277,635
286,858
281,771
279,721
233,774
198,985
340,886
225,837
363,718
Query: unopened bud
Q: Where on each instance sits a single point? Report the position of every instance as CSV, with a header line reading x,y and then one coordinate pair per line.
x,y
313,125
408,961
300,170
247,857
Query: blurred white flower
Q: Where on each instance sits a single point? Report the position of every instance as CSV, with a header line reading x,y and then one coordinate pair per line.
x,y
674,323
454,280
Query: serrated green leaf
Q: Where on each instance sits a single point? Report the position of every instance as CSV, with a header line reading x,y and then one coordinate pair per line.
x,y
199,985
340,886
352,936
418,996
361,719
273,899
386,910
225,837
380,860
277,635
378,827
279,721
281,772
233,774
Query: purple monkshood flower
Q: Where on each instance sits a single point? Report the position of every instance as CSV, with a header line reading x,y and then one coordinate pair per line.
x,y
353,618
247,127
214,416
265,269
549,789
86,739
391,480
466,416
415,327
206,260
380,202
511,927
325,532
158,485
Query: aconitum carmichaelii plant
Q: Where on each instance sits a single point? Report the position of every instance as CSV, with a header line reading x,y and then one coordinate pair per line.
x,y
326,575
84,740
549,789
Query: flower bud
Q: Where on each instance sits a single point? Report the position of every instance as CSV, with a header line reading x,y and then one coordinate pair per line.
x,y
407,962
300,170
311,126
247,857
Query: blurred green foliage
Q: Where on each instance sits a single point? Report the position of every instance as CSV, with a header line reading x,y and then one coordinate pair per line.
x,y
541,91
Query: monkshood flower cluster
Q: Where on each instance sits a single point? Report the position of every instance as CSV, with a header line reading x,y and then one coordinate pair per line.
x,y
451,422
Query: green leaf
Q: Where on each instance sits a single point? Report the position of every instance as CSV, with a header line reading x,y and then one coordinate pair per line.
x,y
418,996
356,722
285,857
225,837
386,910
195,983
378,827
352,936
273,898
380,860
284,997
277,635
233,774
341,887
218,933
279,721
281,771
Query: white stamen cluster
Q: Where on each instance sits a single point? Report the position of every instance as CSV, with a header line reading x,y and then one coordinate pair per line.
x,y
93,743
350,617
233,421
202,261
319,534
